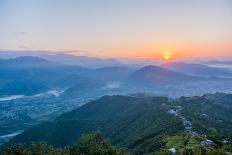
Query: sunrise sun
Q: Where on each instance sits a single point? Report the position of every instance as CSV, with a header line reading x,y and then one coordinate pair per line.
x,y
166,56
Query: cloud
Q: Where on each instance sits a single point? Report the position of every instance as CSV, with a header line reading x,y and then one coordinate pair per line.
x,y
21,33
75,52
79,52
24,47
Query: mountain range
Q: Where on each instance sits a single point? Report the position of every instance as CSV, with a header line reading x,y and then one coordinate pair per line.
x,y
31,75
64,58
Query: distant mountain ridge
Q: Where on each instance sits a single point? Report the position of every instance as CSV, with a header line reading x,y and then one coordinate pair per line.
x,y
225,62
31,75
197,69
19,74
155,75
63,58
23,61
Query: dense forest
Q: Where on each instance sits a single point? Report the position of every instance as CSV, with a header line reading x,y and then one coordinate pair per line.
x,y
96,144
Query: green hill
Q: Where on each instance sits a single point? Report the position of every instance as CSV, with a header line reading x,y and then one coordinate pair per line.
x,y
142,124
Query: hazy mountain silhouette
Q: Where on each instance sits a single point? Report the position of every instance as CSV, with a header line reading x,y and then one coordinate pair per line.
x,y
154,75
197,69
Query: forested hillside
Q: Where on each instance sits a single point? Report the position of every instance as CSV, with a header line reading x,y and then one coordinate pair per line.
x,y
144,124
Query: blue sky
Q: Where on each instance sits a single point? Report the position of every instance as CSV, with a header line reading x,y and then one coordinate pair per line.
x,y
118,28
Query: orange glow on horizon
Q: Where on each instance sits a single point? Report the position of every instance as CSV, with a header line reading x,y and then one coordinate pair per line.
x,y
161,52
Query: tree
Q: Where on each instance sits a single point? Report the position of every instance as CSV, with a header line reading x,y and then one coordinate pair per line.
x,y
94,144
16,149
91,144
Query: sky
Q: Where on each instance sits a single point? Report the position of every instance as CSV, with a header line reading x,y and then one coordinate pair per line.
x,y
173,29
